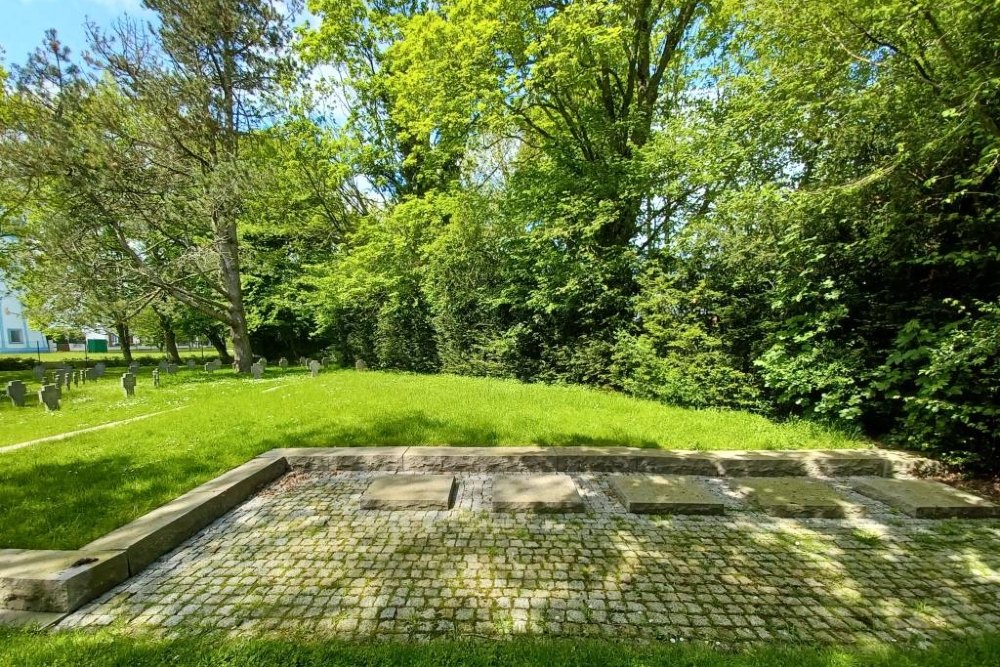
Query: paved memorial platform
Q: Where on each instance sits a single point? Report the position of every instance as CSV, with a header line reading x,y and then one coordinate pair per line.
x,y
303,557
536,493
796,497
665,494
926,499
409,492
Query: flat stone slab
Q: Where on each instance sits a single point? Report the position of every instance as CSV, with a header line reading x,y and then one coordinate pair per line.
x,y
481,459
665,494
409,492
57,581
796,497
927,500
537,493
154,534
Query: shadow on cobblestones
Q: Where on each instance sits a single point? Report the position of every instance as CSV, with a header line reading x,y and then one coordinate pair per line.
x,y
302,557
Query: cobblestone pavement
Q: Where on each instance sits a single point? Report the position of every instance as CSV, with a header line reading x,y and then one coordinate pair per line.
x,y
302,557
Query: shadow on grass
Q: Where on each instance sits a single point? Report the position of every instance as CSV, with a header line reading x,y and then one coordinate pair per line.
x,y
416,427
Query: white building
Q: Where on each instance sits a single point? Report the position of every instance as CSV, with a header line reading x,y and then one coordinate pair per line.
x,y
15,334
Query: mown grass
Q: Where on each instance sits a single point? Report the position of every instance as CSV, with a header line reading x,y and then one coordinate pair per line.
x,y
25,649
66,493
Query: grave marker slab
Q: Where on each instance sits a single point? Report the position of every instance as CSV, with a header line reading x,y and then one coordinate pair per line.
x,y
16,392
171,369
927,500
100,367
257,371
49,396
537,493
156,378
360,365
128,384
39,372
409,492
665,494
191,364
283,363
314,367
796,497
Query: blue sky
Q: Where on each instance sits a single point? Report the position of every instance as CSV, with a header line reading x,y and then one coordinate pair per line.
x,y
23,22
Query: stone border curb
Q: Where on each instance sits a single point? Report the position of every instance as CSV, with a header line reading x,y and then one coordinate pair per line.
x,y
731,463
34,584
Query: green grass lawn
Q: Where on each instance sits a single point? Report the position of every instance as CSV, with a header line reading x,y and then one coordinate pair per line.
x,y
24,649
66,493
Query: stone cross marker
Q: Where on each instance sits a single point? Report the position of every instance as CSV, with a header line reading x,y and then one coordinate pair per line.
x,y
283,363
314,367
156,377
257,370
16,392
128,383
49,396
360,365
39,372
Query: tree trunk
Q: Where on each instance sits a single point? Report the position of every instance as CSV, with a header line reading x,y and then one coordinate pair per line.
x,y
169,337
229,270
215,338
125,340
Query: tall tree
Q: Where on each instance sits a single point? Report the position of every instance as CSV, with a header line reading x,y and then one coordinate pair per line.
x,y
154,150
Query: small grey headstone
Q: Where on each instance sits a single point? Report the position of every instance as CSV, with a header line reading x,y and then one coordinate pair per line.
x,y
16,392
100,367
257,370
156,377
360,365
263,362
128,383
49,396
314,367
133,368
162,365
191,364
69,377
302,361
91,374
283,363
39,372
209,367
76,378
171,369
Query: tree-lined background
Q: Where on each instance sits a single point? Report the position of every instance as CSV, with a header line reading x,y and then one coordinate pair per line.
x,y
786,207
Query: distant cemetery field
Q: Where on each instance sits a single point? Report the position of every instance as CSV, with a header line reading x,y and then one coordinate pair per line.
x,y
63,493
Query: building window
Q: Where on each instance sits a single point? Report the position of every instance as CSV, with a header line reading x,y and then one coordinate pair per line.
x,y
15,336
